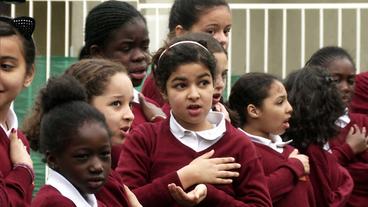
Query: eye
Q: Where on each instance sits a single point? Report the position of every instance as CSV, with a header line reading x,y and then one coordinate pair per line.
x,y
125,48
211,31
6,67
180,86
336,79
131,105
351,80
105,155
204,83
227,31
116,104
81,157
224,75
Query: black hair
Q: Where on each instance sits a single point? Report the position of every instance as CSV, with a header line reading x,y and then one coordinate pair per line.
x,y
316,107
65,107
103,20
187,12
324,56
250,88
28,45
169,58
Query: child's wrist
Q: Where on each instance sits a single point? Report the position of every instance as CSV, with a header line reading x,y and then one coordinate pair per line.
x,y
186,177
157,118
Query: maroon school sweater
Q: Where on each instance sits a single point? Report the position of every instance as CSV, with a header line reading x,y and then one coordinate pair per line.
x,y
15,184
357,165
282,173
151,156
49,196
150,90
332,183
139,116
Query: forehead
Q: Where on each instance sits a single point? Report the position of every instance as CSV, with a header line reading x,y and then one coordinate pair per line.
x,y
276,89
341,66
190,70
91,135
218,15
119,83
135,29
11,46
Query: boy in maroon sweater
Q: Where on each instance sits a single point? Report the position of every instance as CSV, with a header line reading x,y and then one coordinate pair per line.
x,y
166,163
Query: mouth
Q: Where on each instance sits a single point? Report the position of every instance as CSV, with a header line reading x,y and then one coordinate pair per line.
x,y
194,109
124,131
96,183
216,98
286,124
138,72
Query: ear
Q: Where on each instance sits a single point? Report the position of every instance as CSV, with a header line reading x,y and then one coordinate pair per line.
x,y
164,96
95,51
252,111
51,161
179,30
29,77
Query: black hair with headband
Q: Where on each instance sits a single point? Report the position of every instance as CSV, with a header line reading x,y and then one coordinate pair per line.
x,y
169,58
103,20
22,27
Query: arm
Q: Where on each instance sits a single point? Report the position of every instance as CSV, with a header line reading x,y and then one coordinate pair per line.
x,y
340,196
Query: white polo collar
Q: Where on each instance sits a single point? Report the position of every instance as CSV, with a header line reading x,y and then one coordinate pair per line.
x,y
11,120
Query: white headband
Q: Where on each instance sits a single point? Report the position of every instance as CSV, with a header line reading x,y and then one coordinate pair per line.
x,y
179,43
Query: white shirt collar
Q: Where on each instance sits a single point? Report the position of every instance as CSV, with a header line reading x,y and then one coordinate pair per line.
x,y
217,119
274,143
66,189
11,120
343,120
135,96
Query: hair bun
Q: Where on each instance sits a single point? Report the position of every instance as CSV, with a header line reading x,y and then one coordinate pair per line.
x,y
61,90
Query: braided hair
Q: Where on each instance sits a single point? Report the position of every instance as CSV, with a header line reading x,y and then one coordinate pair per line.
x,y
324,56
103,20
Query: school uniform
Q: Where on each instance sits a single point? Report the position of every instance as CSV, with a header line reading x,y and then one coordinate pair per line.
x,y
359,101
16,182
58,191
150,90
153,152
332,183
357,165
286,179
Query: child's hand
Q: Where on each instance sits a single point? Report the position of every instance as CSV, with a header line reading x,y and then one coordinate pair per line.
x,y
205,169
357,139
132,199
221,108
150,110
18,151
302,158
189,199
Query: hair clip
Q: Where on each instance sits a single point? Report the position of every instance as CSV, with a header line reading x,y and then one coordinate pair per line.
x,y
25,25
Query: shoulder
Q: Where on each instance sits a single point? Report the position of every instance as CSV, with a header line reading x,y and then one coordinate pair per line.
x,y
42,198
359,119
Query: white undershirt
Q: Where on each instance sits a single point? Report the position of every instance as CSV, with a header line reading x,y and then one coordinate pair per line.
x,y
200,140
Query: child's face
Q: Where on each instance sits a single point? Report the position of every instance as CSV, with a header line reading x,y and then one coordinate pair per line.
x,y
129,46
275,111
217,22
343,72
86,160
189,92
221,76
13,73
115,104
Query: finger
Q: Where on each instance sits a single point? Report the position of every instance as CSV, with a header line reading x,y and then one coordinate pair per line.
x,y
13,134
229,166
222,160
227,174
351,130
200,190
207,155
222,181
142,99
364,131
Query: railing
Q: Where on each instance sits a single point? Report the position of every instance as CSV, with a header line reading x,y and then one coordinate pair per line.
x,y
297,40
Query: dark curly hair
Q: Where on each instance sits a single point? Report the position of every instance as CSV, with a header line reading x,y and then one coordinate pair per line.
x,y
169,58
250,88
317,105
103,20
187,12
64,102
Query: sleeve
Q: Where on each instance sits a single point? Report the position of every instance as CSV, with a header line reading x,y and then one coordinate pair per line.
x,y
113,192
15,187
283,179
250,187
56,201
343,153
133,167
340,196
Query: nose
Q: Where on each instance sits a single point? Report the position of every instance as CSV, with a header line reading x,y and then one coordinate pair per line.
x,y
219,82
96,165
344,86
128,115
193,93
222,38
139,55
289,108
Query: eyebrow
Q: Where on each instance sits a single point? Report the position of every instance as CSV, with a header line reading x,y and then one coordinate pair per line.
x,y
8,58
198,77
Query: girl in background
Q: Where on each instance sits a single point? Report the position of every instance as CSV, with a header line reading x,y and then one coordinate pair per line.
x,y
260,101
167,163
209,16
75,141
349,149
116,31
359,102
17,56
316,106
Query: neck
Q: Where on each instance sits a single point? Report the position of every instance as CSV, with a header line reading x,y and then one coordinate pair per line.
x,y
255,131
3,115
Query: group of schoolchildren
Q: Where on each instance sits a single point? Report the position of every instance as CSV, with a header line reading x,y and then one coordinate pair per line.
x,y
300,142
